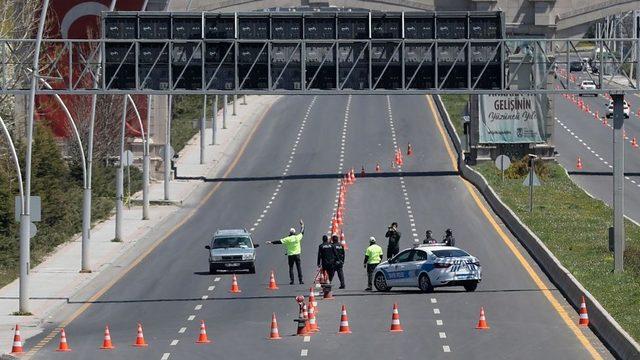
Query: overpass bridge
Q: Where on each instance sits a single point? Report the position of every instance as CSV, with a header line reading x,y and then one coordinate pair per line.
x,y
540,18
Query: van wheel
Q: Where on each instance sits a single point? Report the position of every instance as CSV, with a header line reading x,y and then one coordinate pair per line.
x,y
470,286
424,283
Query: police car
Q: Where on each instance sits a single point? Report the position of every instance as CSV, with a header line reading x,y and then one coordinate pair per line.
x,y
427,267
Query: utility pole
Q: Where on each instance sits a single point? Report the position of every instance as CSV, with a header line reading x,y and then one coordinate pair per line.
x,y
214,120
225,99
167,150
235,101
120,173
203,126
145,166
618,182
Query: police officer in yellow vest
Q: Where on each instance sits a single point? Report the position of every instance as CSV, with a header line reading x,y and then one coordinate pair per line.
x,y
372,257
292,246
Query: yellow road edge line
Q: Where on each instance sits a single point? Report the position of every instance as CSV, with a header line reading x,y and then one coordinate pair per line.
x,y
142,256
525,264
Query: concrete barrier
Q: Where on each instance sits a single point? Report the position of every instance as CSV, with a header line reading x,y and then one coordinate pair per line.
x,y
615,338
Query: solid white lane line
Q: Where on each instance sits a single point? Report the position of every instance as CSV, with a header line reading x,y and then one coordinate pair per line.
x,y
165,356
174,342
191,317
182,330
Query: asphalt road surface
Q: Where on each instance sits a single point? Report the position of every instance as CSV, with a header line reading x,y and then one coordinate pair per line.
x,y
579,134
290,170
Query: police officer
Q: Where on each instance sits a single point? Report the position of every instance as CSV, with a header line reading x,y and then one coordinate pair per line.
x,y
327,256
393,248
372,257
429,239
292,246
340,259
449,240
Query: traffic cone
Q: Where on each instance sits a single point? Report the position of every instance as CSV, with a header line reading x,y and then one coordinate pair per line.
x,y
401,161
274,334
634,142
604,121
140,338
409,149
579,164
305,315
106,343
584,316
64,346
339,217
353,176
312,298
272,282
378,164
395,320
17,342
482,323
344,322
596,115
313,326
342,241
334,225
234,285
202,338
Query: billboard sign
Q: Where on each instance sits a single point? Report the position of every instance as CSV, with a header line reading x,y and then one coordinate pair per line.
x,y
510,119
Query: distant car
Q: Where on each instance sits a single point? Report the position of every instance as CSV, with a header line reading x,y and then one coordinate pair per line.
x,y
575,66
232,250
588,85
427,267
625,109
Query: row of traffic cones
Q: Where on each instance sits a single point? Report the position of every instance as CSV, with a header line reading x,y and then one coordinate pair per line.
x,y
307,326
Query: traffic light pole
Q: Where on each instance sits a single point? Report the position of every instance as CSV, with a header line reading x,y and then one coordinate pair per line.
x,y
618,182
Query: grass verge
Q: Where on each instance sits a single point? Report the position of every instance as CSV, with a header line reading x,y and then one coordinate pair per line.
x,y
574,226
456,105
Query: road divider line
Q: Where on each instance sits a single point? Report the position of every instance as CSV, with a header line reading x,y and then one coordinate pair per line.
x,y
182,330
165,356
174,342
511,246
191,317
442,335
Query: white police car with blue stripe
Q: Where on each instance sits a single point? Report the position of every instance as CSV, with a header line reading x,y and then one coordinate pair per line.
x,y
427,267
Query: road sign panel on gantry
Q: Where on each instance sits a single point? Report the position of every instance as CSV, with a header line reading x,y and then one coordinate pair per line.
x,y
324,51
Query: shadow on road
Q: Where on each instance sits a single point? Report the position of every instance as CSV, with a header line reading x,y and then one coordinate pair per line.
x,y
321,176
600,173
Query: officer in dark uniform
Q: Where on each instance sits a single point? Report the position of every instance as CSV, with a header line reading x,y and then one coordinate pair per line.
x,y
327,256
449,240
339,260
393,247
429,239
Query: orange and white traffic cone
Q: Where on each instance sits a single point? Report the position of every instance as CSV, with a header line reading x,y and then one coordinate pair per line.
x,y
305,316
334,225
584,316
339,216
313,326
378,164
274,334
400,160
140,338
596,115
353,176
579,164
409,149
203,338
106,342
395,320
482,323
344,322
234,285
272,282
17,342
634,142
64,346
312,299
604,121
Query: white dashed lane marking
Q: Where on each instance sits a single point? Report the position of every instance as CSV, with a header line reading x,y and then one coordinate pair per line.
x,y
442,335
182,330
216,279
191,317
304,352
165,356
198,307
439,322
174,342
446,348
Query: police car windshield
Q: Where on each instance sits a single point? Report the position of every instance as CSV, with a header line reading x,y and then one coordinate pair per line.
x,y
231,242
449,253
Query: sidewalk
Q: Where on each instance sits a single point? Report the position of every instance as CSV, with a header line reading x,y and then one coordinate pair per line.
x,y
57,279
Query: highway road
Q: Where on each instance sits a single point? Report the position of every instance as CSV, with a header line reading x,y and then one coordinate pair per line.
x,y
579,134
289,170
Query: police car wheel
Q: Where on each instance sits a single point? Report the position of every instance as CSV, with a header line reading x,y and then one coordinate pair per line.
x,y
380,283
424,283
212,269
471,286
252,269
